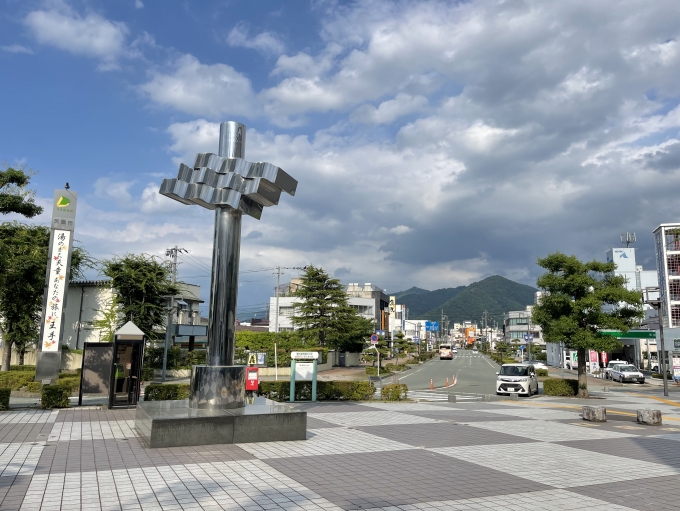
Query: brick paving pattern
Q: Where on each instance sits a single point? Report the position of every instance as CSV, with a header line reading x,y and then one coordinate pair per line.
x,y
532,454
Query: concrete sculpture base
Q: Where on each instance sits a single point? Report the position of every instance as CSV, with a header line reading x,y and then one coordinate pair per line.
x,y
176,424
595,413
218,387
649,417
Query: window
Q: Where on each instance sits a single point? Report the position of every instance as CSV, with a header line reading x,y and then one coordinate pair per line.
x,y
517,321
286,311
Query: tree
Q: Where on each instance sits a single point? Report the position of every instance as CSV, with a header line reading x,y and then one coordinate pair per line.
x,y
324,314
23,264
370,355
400,345
14,196
580,300
503,348
142,286
108,323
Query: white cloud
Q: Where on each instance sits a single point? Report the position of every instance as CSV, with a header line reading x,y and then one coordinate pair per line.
x,y
390,110
265,42
400,229
119,191
199,89
91,35
139,4
17,48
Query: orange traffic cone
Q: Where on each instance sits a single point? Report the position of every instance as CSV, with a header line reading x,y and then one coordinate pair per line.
x,y
447,381
431,384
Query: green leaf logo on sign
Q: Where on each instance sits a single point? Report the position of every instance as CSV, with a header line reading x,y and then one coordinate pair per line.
x,y
63,202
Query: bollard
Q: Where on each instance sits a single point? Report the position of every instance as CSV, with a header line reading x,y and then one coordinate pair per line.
x,y
452,398
649,417
431,384
605,389
595,413
447,381
453,379
514,396
487,397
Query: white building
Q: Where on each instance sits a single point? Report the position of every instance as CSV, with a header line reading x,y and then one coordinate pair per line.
x,y
365,307
518,324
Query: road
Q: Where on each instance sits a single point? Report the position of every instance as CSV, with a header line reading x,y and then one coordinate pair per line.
x,y
475,374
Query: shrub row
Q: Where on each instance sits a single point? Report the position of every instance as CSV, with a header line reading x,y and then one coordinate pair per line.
x,y
14,380
394,392
22,368
325,390
541,372
148,373
166,392
373,371
55,396
4,398
560,387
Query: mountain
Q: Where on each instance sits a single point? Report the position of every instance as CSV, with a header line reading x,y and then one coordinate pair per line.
x,y
497,295
412,291
421,303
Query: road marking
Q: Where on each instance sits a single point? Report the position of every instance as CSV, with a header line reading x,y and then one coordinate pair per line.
x,y
614,412
660,399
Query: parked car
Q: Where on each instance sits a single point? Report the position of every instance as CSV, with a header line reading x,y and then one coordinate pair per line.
x,y
517,378
626,373
454,350
475,350
537,364
610,366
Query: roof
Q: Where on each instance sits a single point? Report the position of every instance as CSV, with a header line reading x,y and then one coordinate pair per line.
x,y
129,328
98,282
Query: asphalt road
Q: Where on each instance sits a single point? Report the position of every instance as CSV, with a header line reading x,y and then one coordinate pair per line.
x,y
475,374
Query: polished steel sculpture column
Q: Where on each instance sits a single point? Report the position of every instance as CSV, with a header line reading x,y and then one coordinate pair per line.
x,y
231,186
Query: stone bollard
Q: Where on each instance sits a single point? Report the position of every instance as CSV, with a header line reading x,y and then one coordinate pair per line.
x,y
487,397
452,398
605,389
514,396
595,413
649,417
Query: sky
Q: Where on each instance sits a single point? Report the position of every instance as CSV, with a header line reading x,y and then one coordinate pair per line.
x,y
435,143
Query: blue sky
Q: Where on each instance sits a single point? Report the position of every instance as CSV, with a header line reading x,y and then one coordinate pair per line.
x,y
435,143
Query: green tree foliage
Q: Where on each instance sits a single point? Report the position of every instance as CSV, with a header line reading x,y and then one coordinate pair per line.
x,y
23,264
143,284
370,355
108,321
401,346
323,314
14,195
579,300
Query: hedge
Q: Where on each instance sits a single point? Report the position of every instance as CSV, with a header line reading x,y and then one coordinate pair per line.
x,y
22,368
72,383
148,373
4,398
34,387
373,371
560,387
166,392
325,390
15,379
394,392
541,372
54,396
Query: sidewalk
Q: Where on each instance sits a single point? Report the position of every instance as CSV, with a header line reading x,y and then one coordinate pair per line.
x,y
372,455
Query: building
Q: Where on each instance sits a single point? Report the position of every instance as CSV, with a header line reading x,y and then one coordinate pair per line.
x,y
518,324
636,277
369,300
89,300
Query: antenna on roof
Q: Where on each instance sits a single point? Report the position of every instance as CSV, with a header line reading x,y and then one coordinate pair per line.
x,y
628,238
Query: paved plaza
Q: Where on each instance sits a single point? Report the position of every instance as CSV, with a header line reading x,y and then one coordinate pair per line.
x,y
531,454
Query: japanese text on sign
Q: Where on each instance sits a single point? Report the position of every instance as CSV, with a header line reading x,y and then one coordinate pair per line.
x,y
56,284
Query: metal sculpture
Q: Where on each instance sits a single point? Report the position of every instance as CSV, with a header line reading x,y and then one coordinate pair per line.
x,y
232,186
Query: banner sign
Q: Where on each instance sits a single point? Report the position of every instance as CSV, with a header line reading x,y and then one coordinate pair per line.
x,y
304,355
56,286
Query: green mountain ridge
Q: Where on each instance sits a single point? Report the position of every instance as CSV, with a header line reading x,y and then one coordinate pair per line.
x,y
497,295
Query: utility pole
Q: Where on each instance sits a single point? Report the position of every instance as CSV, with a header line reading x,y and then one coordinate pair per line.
x,y
278,279
170,252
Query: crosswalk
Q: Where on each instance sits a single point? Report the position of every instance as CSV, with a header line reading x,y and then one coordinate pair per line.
x,y
433,395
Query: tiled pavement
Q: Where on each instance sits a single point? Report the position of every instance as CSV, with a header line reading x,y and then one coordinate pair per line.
x,y
532,454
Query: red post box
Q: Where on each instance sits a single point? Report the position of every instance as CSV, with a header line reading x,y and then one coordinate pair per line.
x,y
251,378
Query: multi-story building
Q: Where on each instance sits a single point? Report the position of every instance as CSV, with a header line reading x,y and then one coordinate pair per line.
x,y
369,300
517,324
